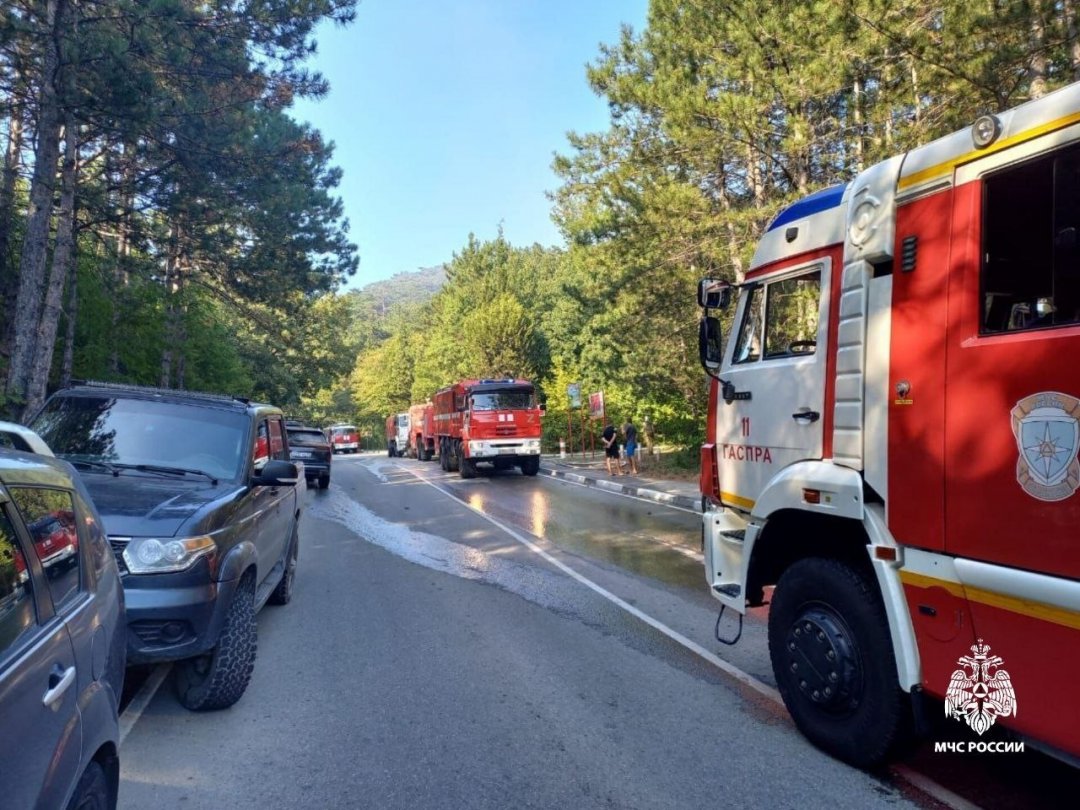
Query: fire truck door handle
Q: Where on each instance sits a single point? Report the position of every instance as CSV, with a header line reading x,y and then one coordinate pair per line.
x,y
809,416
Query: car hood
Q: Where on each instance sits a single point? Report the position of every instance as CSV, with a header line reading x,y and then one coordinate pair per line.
x,y
133,505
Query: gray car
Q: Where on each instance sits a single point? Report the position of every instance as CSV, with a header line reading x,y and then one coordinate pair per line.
x,y
62,643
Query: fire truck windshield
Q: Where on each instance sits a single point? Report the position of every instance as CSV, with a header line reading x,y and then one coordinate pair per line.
x,y
503,399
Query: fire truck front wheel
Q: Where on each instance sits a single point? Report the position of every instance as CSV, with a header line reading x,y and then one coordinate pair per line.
x,y
833,661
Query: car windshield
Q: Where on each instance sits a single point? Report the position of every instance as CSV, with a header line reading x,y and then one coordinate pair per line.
x,y
103,429
306,437
503,399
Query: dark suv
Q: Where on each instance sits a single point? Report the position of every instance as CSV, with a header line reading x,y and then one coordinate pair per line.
x,y
61,640
310,446
202,508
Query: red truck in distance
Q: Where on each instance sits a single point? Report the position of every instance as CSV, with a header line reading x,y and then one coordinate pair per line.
x,y
494,422
422,431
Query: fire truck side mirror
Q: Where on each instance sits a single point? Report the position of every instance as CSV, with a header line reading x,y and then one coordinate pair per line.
x,y
713,293
710,344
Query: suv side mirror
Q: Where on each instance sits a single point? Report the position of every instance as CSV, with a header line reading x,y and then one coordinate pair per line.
x,y
710,344
277,473
713,293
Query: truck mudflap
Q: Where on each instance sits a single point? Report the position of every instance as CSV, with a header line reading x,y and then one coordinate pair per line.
x,y
727,536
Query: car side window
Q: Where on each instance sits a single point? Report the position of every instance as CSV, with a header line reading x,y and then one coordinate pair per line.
x,y
17,614
97,541
261,453
49,515
277,443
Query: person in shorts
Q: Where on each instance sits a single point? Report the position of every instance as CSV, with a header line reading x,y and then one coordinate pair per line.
x,y
611,449
630,433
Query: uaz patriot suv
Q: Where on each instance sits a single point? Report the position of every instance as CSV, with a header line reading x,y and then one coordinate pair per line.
x,y
202,506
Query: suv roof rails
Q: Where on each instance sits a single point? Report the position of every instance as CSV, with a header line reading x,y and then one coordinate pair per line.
x,y
150,389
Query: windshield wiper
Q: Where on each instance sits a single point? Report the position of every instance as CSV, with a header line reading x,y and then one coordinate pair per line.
x,y
158,468
93,465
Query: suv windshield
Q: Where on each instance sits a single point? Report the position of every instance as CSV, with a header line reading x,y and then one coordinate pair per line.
x,y
103,429
503,399
306,437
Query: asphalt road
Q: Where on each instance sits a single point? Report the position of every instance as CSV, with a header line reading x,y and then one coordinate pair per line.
x,y
545,657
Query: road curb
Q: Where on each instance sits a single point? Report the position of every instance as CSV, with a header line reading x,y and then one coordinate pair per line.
x,y
683,501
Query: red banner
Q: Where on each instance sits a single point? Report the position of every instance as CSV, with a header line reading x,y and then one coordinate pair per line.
x,y
596,405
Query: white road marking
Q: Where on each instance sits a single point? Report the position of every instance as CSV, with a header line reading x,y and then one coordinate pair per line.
x,y
917,780
138,704
739,675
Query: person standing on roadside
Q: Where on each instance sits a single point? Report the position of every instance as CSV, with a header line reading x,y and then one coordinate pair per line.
x,y
611,449
630,433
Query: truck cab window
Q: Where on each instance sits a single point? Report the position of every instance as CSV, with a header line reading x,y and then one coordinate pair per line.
x,y
1031,245
791,315
783,314
748,346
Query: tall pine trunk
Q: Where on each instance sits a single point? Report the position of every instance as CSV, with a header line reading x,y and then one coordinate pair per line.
x,y
172,275
1073,34
68,364
121,272
62,261
8,279
42,185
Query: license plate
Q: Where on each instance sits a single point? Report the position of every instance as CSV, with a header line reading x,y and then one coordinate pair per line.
x,y
301,454
507,451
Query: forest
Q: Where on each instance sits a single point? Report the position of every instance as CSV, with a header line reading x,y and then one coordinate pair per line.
x,y
164,220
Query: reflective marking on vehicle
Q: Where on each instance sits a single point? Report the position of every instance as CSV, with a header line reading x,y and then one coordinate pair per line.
x,y
134,710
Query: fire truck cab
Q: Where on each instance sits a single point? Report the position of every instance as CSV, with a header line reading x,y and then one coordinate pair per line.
x,y
893,433
491,421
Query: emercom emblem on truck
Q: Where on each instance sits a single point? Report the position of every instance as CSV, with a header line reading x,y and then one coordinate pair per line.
x,y
1047,434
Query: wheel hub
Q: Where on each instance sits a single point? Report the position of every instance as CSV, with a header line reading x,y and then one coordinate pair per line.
x,y
822,660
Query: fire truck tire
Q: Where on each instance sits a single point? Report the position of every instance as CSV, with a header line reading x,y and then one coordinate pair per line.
x,y
833,661
443,460
531,465
467,467
453,462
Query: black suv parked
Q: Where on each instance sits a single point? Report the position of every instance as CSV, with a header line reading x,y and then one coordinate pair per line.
x,y
310,446
202,506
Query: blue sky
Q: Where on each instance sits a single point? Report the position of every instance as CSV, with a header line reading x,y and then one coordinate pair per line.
x,y
446,115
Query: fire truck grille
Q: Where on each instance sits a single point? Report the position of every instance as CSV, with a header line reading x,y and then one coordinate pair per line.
x,y
506,430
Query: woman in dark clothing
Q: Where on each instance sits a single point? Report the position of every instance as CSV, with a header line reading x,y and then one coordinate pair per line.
x,y
611,449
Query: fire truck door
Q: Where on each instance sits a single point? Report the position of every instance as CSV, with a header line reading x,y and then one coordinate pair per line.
x,y
772,413
1012,423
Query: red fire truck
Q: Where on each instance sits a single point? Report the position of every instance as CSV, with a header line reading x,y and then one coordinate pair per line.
x,y
488,421
892,440
397,434
422,431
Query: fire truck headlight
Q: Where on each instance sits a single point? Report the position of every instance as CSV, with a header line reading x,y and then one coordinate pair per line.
x,y
985,130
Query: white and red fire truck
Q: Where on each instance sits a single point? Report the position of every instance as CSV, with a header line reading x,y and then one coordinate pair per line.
x,y
892,440
488,421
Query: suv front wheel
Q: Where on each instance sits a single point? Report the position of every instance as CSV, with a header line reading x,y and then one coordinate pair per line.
x,y
218,679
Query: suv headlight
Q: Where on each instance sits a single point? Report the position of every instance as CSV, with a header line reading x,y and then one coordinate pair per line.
x,y
150,555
